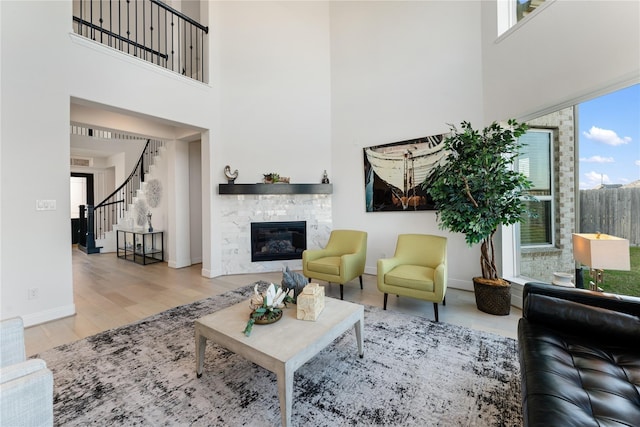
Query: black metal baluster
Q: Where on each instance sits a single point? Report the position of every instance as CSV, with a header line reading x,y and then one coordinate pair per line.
x,y
136,24
151,29
93,31
82,17
110,22
166,46
191,50
173,59
128,26
101,20
120,23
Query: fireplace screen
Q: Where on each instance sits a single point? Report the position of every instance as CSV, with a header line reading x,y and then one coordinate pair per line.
x,y
272,241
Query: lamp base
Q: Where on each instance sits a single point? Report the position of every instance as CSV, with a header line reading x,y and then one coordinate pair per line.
x,y
597,275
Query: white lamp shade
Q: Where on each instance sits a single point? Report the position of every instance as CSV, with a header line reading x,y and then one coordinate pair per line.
x,y
601,251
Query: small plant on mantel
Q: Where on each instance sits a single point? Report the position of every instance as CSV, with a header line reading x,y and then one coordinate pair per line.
x,y
271,177
475,191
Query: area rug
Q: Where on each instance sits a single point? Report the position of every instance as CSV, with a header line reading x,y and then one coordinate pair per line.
x,y
414,372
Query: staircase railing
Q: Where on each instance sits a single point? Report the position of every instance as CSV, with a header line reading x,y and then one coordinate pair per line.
x,y
107,213
148,29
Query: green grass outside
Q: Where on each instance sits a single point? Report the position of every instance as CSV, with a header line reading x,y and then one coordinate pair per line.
x,y
621,282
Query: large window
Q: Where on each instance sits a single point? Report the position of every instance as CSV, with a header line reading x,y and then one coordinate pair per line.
x,y
535,161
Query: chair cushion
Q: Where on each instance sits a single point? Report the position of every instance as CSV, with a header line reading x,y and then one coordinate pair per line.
x,y
328,265
411,276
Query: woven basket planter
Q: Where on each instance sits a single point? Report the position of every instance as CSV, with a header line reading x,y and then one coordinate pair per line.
x,y
493,299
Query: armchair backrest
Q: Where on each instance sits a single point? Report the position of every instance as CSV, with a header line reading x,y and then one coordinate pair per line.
x,y
347,241
422,249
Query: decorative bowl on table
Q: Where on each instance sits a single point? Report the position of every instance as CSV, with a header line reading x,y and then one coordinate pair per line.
x,y
267,306
267,318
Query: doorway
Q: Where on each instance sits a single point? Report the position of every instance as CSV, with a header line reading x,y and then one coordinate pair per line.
x,y
81,190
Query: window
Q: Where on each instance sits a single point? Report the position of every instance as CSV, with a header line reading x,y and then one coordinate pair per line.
x,y
510,12
535,161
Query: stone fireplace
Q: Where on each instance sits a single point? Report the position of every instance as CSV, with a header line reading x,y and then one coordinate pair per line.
x,y
239,211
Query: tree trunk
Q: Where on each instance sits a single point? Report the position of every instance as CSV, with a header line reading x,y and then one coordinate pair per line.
x,y
488,258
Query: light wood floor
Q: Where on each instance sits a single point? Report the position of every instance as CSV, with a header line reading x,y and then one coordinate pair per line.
x,y
110,292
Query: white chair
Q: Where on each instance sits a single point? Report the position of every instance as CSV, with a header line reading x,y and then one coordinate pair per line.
x,y
26,386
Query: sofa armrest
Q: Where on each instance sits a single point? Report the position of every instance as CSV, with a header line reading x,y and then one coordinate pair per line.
x,y
619,303
27,400
17,370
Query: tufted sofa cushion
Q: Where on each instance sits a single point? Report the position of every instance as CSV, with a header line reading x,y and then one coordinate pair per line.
x,y
580,364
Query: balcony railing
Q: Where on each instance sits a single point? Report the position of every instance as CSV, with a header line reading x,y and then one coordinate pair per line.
x,y
148,29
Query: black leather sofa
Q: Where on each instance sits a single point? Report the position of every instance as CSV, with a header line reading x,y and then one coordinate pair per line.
x,y
579,357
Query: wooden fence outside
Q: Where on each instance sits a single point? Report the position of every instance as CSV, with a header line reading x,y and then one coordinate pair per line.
x,y
614,211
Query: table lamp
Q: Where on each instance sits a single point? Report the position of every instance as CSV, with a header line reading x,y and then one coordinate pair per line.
x,y
599,252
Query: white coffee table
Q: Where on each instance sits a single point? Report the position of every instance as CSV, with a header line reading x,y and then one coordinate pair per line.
x,y
281,347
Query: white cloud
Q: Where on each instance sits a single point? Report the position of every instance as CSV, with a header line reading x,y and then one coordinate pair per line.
x,y
594,179
597,159
637,162
606,136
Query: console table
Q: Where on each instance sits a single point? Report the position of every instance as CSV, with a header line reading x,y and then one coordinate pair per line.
x,y
142,247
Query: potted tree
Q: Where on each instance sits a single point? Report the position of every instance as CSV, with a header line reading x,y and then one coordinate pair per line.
x,y
476,190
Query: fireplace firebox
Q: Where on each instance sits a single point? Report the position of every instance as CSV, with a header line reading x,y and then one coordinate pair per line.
x,y
274,241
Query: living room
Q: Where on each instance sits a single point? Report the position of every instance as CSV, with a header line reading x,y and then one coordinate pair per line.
x,y
325,93
293,87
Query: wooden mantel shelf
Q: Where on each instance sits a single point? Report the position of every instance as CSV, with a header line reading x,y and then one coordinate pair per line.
x,y
275,188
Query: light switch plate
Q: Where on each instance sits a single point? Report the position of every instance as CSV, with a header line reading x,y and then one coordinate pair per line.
x,y
45,205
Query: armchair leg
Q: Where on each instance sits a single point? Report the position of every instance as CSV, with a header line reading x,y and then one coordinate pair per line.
x,y
384,306
341,291
360,282
435,310
444,301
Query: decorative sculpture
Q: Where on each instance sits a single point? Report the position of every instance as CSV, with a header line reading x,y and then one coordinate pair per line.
x,y
153,192
293,280
310,302
231,177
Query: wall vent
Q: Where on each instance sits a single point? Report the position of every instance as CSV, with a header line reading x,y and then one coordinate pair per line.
x,y
81,161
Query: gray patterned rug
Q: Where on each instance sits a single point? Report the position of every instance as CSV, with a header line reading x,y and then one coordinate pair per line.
x,y
415,372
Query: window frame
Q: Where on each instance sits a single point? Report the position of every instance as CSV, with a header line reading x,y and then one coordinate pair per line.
x,y
550,198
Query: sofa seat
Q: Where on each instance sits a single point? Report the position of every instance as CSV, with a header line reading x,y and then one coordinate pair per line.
x,y
580,363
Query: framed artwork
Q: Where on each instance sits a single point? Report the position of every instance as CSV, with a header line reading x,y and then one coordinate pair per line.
x,y
394,173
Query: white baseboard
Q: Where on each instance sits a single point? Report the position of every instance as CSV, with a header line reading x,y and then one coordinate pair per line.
x,y
179,264
48,315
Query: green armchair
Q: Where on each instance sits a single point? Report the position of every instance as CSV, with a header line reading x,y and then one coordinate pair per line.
x,y
341,261
417,270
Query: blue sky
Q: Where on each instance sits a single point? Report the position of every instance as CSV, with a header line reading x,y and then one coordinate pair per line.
x,y
609,138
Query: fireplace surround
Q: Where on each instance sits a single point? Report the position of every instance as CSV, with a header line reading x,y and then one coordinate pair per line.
x,y
240,210
281,240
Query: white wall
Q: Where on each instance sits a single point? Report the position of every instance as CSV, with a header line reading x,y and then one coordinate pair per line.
x,y
41,75
399,70
35,125
564,53
271,78
273,82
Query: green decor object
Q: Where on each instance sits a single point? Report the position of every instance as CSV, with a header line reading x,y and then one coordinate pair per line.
x,y
267,306
476,190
